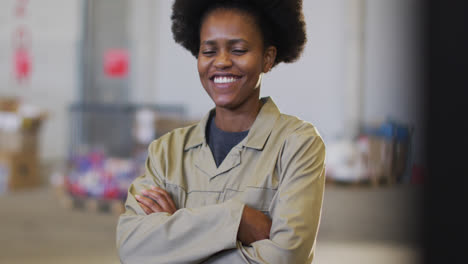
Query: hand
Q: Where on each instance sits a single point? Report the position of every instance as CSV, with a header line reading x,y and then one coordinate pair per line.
x,y
254,226
156,200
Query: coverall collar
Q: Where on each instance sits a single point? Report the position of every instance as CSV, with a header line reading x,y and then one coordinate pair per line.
x,y
258,133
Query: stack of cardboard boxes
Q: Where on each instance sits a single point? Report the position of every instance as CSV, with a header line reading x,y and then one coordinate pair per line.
x,y
380,155
19,148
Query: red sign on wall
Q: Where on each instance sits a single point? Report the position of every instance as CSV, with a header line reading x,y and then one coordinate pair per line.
x,y
22,59
116,63
22,64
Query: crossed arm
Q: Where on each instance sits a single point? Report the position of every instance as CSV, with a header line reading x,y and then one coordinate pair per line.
x,y
254,225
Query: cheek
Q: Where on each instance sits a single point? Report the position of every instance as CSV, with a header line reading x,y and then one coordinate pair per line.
x,y
203,73
253,68
202,66
254,63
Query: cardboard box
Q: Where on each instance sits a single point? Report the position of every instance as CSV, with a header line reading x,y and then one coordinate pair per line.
x,y
19,151
9,104
19,142
387,159
18,171
19,129
380,159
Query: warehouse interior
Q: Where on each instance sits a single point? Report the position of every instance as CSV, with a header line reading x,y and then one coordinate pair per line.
x,y
86,82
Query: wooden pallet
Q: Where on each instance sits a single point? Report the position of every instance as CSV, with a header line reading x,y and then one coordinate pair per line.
x,y
90,204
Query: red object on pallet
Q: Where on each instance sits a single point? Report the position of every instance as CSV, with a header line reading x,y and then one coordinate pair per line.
x,y
77,190
111,193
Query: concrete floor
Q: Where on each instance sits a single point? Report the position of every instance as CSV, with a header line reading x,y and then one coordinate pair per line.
x,y
359,225
370,225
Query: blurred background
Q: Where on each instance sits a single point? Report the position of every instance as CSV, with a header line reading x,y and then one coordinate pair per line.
x,y
85,85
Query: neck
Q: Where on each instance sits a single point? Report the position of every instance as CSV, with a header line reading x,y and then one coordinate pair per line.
x,y
237,120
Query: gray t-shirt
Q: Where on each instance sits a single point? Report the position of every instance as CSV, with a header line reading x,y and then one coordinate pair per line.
x,y
221,142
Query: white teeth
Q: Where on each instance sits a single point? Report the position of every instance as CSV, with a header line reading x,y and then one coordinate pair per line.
x,y
224,79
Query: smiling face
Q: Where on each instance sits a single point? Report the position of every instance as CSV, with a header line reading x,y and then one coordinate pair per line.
x,y
232,58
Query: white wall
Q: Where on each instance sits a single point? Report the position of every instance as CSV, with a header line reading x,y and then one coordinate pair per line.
x,y
55,27
393,85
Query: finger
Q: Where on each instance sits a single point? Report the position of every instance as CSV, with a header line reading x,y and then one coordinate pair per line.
x,y
164,200
145,208
160,199
167,195
149,203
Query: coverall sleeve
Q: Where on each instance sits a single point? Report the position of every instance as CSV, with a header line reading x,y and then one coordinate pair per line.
x,y
190,235
295,211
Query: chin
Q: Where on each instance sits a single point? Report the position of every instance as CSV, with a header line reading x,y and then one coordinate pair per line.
x,y
232,100
224,103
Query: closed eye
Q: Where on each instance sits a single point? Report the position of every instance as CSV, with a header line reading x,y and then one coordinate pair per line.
x,y
239,51
208,52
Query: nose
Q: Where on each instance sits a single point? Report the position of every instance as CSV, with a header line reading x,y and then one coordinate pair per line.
x,y
223,60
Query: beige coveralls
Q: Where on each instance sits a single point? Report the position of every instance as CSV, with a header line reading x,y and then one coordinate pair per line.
x,y
278,168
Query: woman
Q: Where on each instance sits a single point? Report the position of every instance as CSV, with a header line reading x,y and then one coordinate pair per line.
x,y
245,184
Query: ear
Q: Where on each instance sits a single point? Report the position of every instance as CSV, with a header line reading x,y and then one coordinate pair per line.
x,y
269,58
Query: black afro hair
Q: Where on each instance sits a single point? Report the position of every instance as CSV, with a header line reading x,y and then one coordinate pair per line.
x,y
281,22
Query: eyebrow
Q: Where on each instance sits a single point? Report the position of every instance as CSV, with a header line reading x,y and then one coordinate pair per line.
x,y
230,42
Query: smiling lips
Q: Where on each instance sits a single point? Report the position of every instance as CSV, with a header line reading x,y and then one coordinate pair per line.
x,y
225,79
